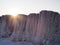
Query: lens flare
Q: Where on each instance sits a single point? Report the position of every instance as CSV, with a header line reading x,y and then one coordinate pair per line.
x,y
13,11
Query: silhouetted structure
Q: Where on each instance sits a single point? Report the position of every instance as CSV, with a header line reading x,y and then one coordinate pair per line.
x,y
41,29
19,28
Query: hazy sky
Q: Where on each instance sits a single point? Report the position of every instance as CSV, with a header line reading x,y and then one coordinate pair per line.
x,y
28,6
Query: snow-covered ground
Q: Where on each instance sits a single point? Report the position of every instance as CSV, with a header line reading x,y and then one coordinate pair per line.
x,y
9,42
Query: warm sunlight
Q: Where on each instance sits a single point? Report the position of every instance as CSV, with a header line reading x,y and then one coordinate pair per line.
x,y
13,11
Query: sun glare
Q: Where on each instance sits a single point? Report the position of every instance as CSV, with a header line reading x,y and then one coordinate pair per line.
x,y
13,11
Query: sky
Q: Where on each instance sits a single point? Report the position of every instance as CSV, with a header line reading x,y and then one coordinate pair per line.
x,y
28,6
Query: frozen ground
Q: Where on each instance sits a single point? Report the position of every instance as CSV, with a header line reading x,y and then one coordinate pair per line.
x,y
8,42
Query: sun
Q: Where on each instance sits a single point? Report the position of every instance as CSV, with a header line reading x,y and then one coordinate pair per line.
x,y
13,11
